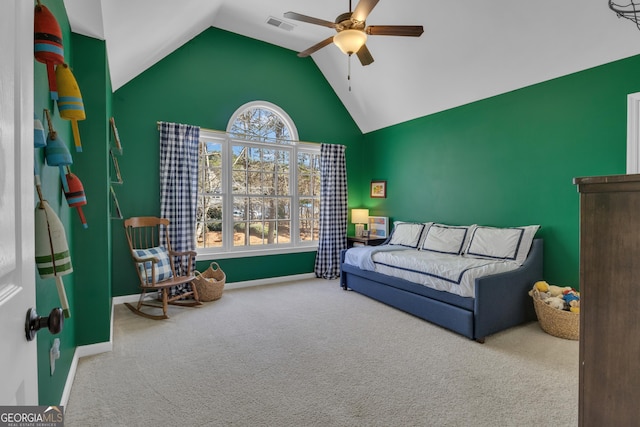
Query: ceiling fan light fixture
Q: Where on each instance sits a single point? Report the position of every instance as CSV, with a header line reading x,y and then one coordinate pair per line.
x,y
350,41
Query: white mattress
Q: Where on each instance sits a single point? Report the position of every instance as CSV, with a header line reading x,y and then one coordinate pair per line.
x,y
450,273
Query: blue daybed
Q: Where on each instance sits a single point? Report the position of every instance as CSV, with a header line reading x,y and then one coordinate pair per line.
x,y
499,301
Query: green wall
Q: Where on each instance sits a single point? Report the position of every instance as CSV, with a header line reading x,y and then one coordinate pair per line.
x,y
510,160
203,83
50,387
92,262
88,288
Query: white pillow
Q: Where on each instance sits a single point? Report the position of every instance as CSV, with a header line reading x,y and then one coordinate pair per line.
x,y
163,266
427,226
406,234
446,239
502,243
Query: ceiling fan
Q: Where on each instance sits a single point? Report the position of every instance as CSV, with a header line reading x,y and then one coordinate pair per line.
x,y
353,30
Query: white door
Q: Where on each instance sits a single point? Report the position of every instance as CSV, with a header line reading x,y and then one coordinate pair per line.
x,y
18,358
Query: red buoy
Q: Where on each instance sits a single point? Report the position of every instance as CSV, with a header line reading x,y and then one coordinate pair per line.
x,y
48,44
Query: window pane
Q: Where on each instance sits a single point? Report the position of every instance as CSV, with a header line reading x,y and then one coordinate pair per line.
x,y
269,184
209,222
304,160
304,184
239,182
239,157
270,232
254,156
306,229
284,231
283,161
212,236
210,167
283,185
240,205
256,231
306,219
284,209
269,208
239,233
269,160
255,208
255,182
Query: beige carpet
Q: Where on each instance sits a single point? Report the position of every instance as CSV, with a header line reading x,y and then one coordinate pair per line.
x,y
310,354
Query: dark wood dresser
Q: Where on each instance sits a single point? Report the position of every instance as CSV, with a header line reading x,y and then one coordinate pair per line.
x,y
609,300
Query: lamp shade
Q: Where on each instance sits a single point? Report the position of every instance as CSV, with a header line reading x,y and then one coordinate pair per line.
x,y
350,41
359,216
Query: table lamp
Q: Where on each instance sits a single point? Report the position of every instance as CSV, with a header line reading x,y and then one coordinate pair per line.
x,y
359,217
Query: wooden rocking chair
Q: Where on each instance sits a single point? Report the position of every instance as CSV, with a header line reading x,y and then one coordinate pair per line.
x,y
156,265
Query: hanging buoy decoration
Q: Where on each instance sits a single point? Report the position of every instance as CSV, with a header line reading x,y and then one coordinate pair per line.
x,y
70,102
39,138
76,196
52,251
57,154
47,46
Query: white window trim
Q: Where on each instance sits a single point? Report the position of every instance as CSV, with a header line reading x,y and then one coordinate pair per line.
x,y
228,250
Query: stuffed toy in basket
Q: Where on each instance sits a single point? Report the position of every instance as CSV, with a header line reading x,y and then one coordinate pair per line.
x,y
210,283
556,320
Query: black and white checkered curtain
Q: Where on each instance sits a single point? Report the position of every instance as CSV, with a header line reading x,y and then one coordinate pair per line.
x,y
333,210
179,187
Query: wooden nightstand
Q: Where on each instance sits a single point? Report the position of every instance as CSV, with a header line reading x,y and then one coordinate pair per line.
x,y
363,241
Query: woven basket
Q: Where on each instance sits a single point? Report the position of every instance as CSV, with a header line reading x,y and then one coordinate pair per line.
x,y
210,283
559,323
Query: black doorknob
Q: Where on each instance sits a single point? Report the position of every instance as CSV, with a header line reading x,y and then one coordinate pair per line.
x,y
54,322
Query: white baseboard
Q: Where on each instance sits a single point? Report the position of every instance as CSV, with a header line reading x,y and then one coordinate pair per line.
x,y
235,285
269,281
103,347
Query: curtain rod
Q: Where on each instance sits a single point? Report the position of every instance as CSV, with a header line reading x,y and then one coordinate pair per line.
x,y
208,130
222,131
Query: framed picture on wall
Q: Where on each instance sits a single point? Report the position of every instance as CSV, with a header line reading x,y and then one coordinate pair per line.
x,y
378,227
379,189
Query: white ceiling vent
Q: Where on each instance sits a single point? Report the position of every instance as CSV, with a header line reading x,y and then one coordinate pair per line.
x,y
280,24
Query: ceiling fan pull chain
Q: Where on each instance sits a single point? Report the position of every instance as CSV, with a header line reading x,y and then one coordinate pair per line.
x,y
349,72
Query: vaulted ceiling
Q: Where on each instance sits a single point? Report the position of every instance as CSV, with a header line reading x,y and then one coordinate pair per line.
x,y
470,49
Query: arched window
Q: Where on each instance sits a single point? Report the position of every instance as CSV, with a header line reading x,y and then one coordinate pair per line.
x,y
262,121
259,187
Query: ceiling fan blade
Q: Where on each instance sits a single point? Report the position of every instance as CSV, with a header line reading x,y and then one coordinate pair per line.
x,y
309,19
364,55
395,30
316,47
362,10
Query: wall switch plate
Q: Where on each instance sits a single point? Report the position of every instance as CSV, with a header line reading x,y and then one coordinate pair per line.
x,y
54,354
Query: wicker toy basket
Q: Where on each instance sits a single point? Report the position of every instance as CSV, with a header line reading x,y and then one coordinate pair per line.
x,y
210,283
559,323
